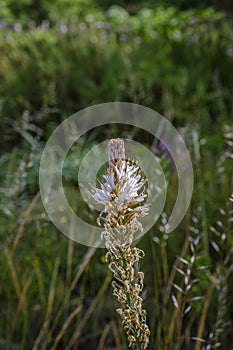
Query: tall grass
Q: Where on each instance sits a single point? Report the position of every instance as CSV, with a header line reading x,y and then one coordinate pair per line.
x,y
56,294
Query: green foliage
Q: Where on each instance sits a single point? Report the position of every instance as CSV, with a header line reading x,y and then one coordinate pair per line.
x,y
175,62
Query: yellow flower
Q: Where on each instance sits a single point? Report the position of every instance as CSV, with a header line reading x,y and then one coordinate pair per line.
x,y
36,261
63,219
103,259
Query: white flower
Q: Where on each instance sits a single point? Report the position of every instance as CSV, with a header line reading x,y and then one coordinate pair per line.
x,y
122,191
122,194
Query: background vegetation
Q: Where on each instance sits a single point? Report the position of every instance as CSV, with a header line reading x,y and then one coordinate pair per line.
x,y
57,57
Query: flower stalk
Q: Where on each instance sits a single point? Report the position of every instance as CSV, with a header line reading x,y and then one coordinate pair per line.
x,y
122,194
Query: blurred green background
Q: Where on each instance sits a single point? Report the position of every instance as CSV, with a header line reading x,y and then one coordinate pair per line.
x,y
58,57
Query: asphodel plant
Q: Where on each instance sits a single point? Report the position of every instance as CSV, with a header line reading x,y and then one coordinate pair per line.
x,y
122,192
